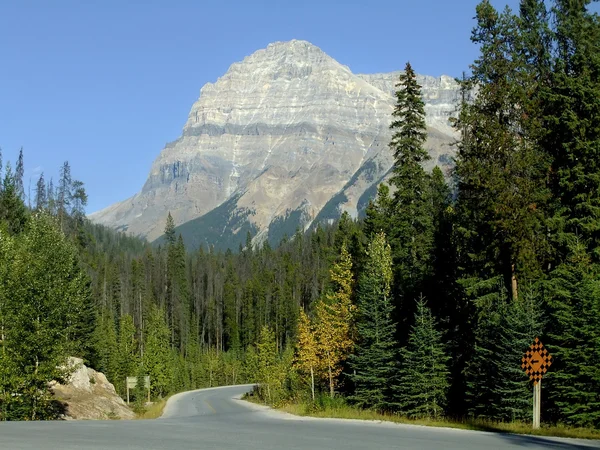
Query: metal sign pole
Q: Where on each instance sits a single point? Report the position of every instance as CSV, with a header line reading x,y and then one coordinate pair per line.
x,y
537,404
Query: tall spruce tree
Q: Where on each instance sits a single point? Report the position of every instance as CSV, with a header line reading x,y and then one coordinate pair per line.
x,y
19,174
41,199
423,378
497,388
374,358
411,231
573,383
12,208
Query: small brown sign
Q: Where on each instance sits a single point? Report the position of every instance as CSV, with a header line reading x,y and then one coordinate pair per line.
x,y
536,361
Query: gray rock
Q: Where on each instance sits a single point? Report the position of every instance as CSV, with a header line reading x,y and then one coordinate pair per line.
x,y
286,129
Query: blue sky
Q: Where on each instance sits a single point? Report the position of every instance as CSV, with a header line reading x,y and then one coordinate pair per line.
x,y
105,84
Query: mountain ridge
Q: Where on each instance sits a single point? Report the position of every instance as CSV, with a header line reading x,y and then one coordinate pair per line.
x,y
283,130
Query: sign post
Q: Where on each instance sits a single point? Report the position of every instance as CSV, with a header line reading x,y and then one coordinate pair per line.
x,y
131,383
535,363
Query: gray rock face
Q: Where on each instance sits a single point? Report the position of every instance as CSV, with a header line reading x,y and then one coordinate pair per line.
x,y
284,130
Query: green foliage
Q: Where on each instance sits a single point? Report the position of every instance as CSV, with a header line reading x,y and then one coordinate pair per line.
x,y
574,331
375,356
44,291
498,389
423,378
411,228
158,359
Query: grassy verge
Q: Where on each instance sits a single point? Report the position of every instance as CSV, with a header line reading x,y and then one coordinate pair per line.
x,y
342,411
153,411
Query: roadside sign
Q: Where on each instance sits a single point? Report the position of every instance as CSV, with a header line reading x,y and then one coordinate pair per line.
x,y
535,363
132,382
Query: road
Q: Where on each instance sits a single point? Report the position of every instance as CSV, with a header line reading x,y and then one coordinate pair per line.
x,y
214,419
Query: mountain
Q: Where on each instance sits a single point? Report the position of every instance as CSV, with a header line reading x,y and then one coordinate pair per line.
x,y
286,137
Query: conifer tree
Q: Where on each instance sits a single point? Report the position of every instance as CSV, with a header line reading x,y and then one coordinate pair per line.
x,y
12,209
158,359
64,195
574,339
379,212
127,353
374,358
411,234
41,200
105,340
423,378
19,174
497,388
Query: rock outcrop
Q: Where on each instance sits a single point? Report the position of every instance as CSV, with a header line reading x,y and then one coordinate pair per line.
x,y
286,136
89,395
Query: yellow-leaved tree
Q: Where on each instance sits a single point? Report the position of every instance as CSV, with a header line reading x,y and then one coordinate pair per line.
x,y
307,357
334,320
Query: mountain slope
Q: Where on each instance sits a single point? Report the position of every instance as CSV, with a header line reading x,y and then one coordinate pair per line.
x,y
276,138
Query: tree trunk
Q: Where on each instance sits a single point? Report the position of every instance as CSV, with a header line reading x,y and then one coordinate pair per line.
x,y
514,283
312,383
331,393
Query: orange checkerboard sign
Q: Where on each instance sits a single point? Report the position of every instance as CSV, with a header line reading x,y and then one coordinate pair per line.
x,y
536,361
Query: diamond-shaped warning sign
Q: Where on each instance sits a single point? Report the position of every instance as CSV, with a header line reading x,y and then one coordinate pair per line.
x,y
536,361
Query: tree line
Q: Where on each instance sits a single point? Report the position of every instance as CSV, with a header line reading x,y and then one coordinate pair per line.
x,y
424,307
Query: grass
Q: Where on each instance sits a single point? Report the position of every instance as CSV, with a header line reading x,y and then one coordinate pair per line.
x,y
340,410
153,411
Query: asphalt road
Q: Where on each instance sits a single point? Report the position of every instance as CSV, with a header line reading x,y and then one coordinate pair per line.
x,y
213,419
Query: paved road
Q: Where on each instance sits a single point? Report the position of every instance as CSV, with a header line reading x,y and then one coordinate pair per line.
x,y
213,419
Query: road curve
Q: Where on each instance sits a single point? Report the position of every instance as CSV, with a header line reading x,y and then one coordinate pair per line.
x,y
215,419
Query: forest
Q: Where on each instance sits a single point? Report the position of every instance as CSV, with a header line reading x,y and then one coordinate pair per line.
x,y
423,308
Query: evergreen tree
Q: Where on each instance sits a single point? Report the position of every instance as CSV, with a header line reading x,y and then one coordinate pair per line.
x,y
411,234
41,200
423,377
374,358
19,173
574,339
105,340
12,209
158,359
127,353
497,388
64,194
379,212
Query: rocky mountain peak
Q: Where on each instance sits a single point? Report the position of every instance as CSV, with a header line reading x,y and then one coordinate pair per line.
x,y
273,142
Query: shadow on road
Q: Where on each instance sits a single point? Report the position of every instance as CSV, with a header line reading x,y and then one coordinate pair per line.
x,y
527,440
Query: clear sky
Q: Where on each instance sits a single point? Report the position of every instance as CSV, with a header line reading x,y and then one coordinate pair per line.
x,y
105,84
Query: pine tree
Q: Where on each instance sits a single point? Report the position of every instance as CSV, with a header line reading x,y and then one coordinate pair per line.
x,y
375,356
497,388
573,382
158,359
41,200
411,233
19,174
106,346
423,378
334,320
378,212
12,209
64,194
127,352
